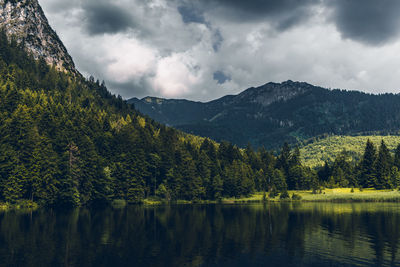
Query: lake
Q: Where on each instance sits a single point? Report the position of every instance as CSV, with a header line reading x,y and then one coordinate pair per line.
x,y
280,234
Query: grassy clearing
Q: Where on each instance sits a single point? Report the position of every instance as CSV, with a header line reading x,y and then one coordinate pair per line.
x,y
257,197
345,195
340,195
329,195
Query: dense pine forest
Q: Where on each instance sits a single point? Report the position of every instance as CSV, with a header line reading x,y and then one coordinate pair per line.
x,y
67,141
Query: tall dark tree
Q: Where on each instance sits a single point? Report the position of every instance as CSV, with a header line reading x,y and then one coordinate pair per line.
x,y
367,177
383,167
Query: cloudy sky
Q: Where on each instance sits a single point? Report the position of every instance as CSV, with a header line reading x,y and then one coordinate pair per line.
x,y
204,49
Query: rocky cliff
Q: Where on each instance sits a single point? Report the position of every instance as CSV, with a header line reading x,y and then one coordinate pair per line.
x,y
25,20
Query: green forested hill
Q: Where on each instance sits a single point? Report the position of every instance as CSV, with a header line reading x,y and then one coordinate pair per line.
x,y
275,113
66,141
319,151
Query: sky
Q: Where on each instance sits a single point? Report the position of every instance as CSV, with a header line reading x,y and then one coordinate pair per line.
x,y
204,49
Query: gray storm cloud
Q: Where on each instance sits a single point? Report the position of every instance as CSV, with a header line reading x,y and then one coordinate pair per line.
x,y
206,49
105,17
368,21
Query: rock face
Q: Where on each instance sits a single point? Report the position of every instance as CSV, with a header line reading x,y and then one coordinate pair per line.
x,y
25,20
273,92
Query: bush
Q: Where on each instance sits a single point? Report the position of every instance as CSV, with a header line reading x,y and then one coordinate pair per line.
x,y
273,193
264,199
296,197
284,195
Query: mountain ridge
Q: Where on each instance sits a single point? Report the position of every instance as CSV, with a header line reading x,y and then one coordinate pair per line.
x,y
277,112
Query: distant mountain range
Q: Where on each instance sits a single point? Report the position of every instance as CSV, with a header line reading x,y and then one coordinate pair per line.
x,y
277,112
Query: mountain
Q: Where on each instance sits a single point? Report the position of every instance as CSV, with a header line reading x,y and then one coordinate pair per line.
x,y
67,141
277,112
26,22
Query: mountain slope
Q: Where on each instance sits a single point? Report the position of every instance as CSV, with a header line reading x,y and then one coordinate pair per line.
x,y
316,152
66,141
277,112
25,21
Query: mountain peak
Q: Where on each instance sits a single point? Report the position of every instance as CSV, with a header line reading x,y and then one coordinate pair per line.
x,y
273,92
25,20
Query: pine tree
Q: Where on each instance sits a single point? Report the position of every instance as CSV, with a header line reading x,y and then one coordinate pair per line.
x,y
396,161
67,191
284,158
13,187
217,187
324,173
278,180
367,176
383,167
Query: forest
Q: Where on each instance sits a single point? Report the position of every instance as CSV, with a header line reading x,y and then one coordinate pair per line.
x,y
67,141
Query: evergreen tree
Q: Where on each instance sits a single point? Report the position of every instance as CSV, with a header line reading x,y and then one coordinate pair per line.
x,y
367,176
284,158
217,187
325,172
396,160
278,180
383,167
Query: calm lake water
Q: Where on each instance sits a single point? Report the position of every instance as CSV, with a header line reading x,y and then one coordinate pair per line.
x,y
302,234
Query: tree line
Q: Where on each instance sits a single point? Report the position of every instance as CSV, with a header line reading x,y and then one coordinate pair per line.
x,y
378,168
67,141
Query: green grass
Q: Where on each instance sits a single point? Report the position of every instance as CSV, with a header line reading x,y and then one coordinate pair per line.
x,y
20,205
316,153
329,195
257,197
345,195
4,206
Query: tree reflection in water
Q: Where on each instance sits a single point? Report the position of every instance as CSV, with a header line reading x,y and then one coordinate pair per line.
x,y
299,234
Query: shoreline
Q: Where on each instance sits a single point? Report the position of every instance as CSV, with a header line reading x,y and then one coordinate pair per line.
x,y
336,195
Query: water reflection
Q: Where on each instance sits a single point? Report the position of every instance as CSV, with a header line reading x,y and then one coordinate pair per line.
x,y
302,234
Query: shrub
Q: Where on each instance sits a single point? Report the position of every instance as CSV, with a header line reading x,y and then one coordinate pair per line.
x,y
273,193
264,197
296,197
284,195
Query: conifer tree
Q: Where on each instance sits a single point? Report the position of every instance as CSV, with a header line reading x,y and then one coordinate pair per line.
x,y
383,167
367,176
217,187
396,160
284,158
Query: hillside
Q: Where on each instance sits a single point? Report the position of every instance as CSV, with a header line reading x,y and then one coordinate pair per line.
x,y
322,150
67,141
277,112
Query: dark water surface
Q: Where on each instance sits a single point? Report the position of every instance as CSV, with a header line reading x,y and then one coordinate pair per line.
x,y
302,234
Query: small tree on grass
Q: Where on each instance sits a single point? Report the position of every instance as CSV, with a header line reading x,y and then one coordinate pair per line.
x,y
284,194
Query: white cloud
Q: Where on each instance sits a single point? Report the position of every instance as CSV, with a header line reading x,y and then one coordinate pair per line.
x,y
175,76
160,55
